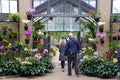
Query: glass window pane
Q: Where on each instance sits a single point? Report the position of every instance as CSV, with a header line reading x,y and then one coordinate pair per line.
x,y
5,6
91,2
0,6
36,3
116,6
13,6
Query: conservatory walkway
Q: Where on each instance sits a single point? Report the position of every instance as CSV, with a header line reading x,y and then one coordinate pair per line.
x,y
56,74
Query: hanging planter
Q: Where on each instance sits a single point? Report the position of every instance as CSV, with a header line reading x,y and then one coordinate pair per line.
x,y
29,17
118,37
97,19
5,32
29,13
10,37
1,39
101,41
101,26
25,27
101,29
119,30
27,41
15,37
114,38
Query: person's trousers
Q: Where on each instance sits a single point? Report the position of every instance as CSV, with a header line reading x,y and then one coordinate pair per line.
x,y
72,59
62,64
118,64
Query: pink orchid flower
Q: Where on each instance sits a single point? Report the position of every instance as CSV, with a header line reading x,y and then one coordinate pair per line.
x,y
31,10
28,32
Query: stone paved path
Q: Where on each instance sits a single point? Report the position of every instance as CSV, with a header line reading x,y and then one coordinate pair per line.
x,y
56,74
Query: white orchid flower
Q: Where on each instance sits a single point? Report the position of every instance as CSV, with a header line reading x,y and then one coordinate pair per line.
x,y
101,23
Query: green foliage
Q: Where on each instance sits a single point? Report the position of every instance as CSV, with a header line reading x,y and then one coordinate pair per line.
x,y
107,69
114,45
38,25
46,59
4,27
15,16
10,67
99,68
36,68
114,16
92,27
58,35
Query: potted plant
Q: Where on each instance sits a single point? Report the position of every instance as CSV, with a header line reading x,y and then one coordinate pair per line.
x,y
101,26
29,13
101,35
101,41
38,25
15,34
114,38
1,37
118,36
15,16
25,24
4,29
10,35
28,34
114,17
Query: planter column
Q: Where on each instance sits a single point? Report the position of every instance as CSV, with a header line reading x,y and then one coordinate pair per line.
x,y
23,7
105,16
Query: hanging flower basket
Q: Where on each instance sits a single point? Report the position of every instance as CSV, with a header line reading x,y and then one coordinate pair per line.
x,y
25,28
27,41
101,41
114,38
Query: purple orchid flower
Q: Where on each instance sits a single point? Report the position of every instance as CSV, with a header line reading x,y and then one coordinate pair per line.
x,y
28,32
2,47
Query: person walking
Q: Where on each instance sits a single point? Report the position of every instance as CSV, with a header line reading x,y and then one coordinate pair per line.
x,y
71,49
62,57
118,57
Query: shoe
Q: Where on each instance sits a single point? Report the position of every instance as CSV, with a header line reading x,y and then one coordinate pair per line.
x,y
69,75
62,70
77,76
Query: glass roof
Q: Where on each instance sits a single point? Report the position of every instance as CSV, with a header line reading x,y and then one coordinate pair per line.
x,y
62,15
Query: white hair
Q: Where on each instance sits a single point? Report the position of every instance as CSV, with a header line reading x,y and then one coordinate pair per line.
x,y
70,35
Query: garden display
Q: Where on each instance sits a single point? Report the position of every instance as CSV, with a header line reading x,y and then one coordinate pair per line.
x,y
16,58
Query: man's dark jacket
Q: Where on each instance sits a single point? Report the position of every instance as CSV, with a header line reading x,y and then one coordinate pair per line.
x,y
72,46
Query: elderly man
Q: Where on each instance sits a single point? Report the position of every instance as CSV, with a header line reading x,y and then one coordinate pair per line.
x,y
71,50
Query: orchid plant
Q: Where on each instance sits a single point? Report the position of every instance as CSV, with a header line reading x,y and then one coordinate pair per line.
x,y
28,33
101,35
118,34
101,23
25,22
30,11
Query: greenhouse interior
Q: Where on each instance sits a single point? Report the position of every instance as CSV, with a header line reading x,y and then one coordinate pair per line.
x,y
59,39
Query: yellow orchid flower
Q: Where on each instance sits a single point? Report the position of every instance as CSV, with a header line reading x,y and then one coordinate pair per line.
x,y
115,60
